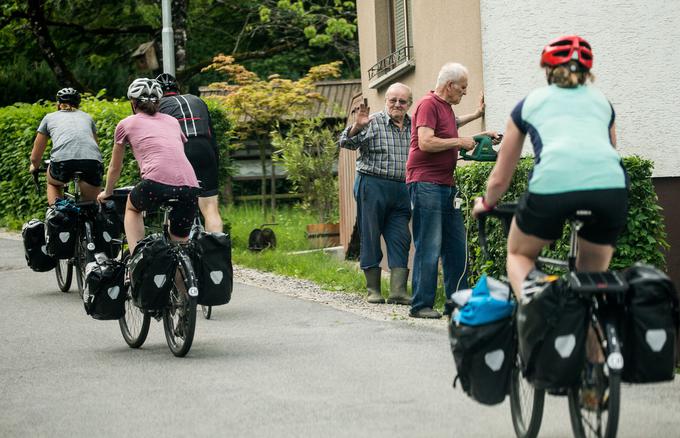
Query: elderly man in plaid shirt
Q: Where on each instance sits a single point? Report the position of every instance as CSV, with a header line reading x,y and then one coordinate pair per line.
x,y
380,191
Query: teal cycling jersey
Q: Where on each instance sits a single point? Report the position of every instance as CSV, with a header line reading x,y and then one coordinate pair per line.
x,y
569,129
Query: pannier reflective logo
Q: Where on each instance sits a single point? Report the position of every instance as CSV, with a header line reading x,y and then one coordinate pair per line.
x,y
44,249
565,345
113,292
159,280
216,277
106,236
64,236
494,359
656,339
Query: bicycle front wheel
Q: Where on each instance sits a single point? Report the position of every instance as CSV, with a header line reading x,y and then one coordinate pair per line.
x,y
64,271
179,316
594,405
134,325
526,405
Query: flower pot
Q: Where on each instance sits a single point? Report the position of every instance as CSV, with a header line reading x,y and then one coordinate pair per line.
x,y
323,235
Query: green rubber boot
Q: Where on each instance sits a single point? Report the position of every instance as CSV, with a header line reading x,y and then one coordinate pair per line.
x,y
373,285
398,294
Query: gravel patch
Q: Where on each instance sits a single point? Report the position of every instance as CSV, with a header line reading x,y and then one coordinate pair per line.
x,y
345,301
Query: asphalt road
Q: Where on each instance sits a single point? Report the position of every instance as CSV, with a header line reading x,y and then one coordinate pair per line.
x,y
266,365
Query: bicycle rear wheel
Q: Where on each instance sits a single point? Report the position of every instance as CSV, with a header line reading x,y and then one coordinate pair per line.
x,y
179,316
207,311
526,405
598,417
82,257
64,271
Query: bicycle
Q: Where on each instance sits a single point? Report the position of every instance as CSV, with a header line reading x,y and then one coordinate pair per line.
x,y
604,292
84,252
179,314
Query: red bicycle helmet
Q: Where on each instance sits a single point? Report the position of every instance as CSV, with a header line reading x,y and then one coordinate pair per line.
x,y
567,48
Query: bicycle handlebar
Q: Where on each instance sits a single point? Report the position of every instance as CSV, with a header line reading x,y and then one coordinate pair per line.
x,y
505,212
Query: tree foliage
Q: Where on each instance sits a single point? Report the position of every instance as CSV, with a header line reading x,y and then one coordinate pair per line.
x,y
53,43
257,106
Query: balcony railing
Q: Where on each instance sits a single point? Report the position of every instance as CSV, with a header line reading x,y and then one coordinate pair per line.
x,y
390,62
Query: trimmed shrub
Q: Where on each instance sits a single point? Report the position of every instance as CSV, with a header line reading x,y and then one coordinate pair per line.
x,y
643,239
18,124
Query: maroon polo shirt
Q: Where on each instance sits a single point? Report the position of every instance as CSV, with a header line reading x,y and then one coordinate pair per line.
x,y
432,167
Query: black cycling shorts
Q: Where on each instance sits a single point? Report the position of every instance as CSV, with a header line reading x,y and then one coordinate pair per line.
x,y
92,171
544,216
149,195
203,158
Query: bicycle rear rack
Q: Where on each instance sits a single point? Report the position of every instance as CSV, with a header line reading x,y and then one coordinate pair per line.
x,y
597,282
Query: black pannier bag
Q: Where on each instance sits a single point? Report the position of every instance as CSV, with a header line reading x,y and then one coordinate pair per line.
x,y
484,355
213,268
107,230
552,324
104,294
35,247
651,326
61,221
152,270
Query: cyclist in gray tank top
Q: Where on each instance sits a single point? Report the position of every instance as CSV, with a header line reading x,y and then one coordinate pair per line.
x,y
74,148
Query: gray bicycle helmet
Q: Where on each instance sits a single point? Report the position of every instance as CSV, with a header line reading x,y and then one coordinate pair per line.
x,y
145,88
168,82
68,95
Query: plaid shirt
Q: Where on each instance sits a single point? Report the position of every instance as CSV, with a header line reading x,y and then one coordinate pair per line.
x,y
383,147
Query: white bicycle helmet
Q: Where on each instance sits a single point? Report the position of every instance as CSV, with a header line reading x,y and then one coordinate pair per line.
x,y
142,88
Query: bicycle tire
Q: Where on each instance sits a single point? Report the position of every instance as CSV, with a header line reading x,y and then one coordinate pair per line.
x,y
526,412
64,272
82,257
134,324
207,311
179,316
603,421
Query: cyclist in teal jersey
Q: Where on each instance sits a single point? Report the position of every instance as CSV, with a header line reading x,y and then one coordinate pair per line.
x,y
576,167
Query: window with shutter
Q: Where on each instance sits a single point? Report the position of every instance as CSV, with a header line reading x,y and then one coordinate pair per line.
x,y
400,58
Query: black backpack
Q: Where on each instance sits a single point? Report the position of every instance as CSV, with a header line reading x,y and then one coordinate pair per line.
x,y
35,247
104,294
552,324
484,355
61,221
107,230
651,326
213,268
152,272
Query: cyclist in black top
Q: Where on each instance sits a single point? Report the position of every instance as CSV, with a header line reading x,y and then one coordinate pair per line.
x,y
201,147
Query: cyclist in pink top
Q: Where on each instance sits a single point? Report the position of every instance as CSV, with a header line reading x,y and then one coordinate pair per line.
x,y
157,142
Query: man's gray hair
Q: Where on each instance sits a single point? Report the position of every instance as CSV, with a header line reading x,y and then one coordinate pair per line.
x,y
398,85
451,71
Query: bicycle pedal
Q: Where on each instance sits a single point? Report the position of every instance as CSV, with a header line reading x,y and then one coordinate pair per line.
x,y
609,282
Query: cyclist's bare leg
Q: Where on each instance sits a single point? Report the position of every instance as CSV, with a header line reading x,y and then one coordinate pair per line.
x,y
88,192
523,249
134,225
211,214
55,189
593,257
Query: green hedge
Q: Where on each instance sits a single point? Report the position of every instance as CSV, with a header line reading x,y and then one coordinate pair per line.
x,y
643,239
18,124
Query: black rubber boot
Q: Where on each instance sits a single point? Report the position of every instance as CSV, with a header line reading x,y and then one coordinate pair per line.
x,y
398,294
373,285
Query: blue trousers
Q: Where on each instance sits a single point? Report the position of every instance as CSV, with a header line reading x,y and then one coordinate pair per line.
x,y
438,231
383,208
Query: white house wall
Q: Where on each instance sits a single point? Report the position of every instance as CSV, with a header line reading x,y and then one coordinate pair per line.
x,y
636,64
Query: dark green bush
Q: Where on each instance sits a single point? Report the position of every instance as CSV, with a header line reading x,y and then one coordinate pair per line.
x,y
643,239
18,124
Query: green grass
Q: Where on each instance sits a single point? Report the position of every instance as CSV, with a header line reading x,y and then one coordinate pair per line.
x,y
329,272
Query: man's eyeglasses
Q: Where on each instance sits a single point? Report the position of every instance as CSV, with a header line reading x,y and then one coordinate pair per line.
x,y
401,101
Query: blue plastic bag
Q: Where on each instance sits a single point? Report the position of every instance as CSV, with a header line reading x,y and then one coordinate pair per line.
x,y
489,302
